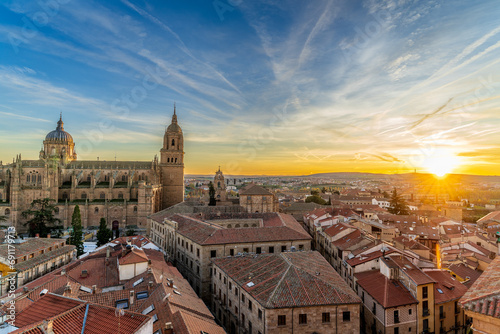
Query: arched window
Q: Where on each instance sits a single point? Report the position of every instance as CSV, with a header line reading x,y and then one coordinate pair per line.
x,y
173,142
84,195
39,178
120,195
28,178
102,196
175,159
135,209
168,159
96,210
123,178
64,196
218,184
7,212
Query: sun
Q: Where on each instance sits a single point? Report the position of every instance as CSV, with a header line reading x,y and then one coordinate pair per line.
x,y
441,162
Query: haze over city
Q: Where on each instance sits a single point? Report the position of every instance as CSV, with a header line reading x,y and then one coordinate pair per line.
x,y
267,87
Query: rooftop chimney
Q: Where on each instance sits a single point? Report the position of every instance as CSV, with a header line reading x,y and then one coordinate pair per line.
x,y
94,287
169,328
63,272
108,251
67,289
150,285
84,273
132,297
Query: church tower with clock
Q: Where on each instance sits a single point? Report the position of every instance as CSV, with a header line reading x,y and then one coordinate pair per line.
x,y
172,165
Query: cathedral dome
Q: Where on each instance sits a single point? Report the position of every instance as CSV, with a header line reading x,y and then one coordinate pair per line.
x,y
59,134
174,127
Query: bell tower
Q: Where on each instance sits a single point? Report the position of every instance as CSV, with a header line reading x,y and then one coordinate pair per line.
x,y
172,165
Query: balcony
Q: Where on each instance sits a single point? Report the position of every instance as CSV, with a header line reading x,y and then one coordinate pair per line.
x,y
426,312
396,320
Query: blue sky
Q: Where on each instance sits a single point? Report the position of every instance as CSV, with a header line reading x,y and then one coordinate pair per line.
x,y
261,87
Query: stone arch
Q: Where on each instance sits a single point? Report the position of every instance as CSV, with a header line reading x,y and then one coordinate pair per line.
x,y
84,195
96,210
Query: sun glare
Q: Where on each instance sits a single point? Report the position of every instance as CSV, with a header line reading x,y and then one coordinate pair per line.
x,y
441,162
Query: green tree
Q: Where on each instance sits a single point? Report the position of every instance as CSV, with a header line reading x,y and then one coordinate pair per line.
x,y
315,199
77,232
211,193
398,205
104,234
42,220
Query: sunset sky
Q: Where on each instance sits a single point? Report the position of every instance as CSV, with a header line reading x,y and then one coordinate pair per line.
x,y
261,87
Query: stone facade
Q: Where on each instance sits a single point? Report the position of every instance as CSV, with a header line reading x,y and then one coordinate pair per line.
x,y
123,192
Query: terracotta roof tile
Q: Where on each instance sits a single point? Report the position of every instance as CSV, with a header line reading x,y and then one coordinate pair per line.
x,y
446,287
134,256
387,292
291,279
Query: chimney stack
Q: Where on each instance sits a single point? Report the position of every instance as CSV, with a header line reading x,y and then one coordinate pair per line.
x,y
169,328
132,297
94,287
108,251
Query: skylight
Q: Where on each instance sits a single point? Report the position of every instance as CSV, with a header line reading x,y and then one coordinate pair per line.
x,y
84,288
148,309
250,284
121,304
139,281
142,295
439,290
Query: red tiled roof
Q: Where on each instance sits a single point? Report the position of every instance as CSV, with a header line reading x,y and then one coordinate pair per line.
x,y
485,292
387,292
446,288
464,271
277,227
368,257
134,256
413,272
46,307
337,228
83,317
254,189
292,279
493,216
101,272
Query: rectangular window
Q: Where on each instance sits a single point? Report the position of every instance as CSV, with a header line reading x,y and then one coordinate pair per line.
x,y
325,317
302,319
198,252
260,314
249,304
425,293
396,330
283,248
249,327
242,297
213,253
346,316
271,249
245,250
409,311
301,247
426,325
258,250
396,317
281,320
231,252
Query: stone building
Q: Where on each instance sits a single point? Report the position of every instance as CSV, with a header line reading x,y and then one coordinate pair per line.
x,y
33,257
123,192
190,241
255,198
292,292
220,187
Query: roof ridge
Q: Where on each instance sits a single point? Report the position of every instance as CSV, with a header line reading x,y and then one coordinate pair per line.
x,y
271,296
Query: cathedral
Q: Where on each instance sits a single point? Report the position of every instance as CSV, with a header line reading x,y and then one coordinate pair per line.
x,y
123,192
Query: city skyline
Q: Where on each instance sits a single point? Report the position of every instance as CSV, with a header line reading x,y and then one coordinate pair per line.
x,y
265,87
